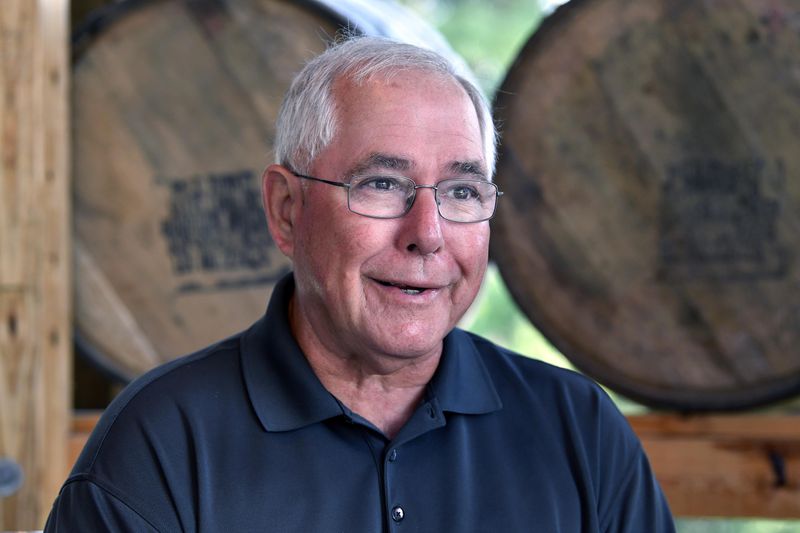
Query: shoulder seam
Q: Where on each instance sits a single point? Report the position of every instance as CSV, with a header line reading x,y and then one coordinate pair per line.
x,y
211,350
113,492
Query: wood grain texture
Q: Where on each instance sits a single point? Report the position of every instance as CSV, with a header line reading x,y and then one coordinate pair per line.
x,y
652,213
737,466
35,322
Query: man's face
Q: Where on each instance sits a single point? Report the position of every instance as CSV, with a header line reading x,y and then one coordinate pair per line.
x,y
391,287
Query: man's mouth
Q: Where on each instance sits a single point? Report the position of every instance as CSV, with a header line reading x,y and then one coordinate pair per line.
x,y
407,289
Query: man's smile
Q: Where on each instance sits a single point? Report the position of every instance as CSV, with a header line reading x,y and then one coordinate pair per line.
x,y
405,288
411,288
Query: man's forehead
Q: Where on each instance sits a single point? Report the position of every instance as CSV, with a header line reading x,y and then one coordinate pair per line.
x,y
347,89
432,101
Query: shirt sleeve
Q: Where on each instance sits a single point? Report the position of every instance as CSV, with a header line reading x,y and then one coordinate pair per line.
x,y
638,505
84,505
630,499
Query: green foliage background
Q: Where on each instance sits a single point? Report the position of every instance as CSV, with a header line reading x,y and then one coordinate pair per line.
x,y
489,35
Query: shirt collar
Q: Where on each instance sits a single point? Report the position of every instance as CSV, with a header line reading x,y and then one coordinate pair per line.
x,y
284,391
286,394
462,383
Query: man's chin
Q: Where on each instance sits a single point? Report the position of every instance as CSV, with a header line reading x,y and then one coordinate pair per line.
x,y
408,345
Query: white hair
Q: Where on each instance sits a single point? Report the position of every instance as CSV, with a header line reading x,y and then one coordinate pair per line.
x,y
307,118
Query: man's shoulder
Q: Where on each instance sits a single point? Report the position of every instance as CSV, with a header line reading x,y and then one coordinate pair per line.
x,y
189,376
532,388
576,410
168,397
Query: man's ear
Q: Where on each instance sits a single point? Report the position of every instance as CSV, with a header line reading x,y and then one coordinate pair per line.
x,y
282,197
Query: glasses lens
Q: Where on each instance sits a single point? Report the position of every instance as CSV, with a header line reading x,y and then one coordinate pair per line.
x,y
465,200
380,196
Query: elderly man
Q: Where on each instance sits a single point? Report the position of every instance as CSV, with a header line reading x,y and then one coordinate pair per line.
x,y
354,405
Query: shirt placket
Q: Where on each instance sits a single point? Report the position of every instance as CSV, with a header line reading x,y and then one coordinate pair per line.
x,y
397,487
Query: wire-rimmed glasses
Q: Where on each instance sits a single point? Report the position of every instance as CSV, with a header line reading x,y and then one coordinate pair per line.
x,y
457,199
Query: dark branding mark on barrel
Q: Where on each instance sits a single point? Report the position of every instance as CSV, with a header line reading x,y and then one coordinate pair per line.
x,y
216,226
716,222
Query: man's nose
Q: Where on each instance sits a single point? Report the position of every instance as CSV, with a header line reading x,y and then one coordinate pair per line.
x,y
422,225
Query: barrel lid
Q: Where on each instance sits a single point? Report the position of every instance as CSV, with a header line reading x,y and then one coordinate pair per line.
x,y
651,220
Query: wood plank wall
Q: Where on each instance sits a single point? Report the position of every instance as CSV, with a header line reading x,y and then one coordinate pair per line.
x,y
35,323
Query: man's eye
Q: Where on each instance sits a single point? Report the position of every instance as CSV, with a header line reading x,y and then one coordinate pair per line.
x,y
463,192
379,183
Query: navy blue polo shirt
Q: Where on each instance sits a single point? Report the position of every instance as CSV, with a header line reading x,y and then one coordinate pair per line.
x,y
242,436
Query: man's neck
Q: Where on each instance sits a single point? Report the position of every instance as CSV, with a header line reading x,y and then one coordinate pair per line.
x,y
382,389
383,400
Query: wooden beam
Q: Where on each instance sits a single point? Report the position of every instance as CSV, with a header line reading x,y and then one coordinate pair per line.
x,y
35,323
82,425
736,466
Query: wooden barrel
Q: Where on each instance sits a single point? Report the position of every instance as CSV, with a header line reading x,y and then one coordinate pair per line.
x,y
651,224
174,104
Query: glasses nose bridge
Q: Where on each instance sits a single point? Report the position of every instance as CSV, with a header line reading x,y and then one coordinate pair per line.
x,y
435,189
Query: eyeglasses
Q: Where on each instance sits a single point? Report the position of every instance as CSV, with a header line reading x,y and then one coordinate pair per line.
x,y
458,200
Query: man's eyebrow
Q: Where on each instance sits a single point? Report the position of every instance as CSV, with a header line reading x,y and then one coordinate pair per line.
x,y
469,168
378,160
382,161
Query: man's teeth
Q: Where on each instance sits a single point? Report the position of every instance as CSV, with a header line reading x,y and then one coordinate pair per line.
x,y
411,291
406,289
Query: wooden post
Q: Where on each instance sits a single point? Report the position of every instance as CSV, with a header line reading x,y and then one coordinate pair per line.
x,y
35,322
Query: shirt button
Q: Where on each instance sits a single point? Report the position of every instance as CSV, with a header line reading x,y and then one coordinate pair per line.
x,y
398,514
393,455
